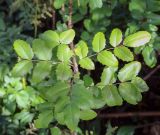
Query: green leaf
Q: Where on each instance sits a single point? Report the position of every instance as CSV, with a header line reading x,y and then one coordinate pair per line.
x,y
130,93
87,114
56,91
129,71
55,131
81,49
149,56
24,117
108,76
41,71
82,97
115,37
23,49
51,38
44,119
63,72
71,116
137,39
99,42
123,53
140,84
95,4
111,96
22,68
22,99
107,58
67,37
41,50
88,81
126,130
58,3
64,53
87,63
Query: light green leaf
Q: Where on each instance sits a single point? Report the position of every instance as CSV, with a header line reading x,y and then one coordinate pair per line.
x,y
108,76
107,58
55,131
22,68
111,96
63,72
87,114
22,99
129,71
42,50
99,42
87,63
149,56
123,53
115,37
137,39
130,93
23,49
140,84
24,117
64,53
41,71
51,38
95,4
44,119
67,37
58,3
81,49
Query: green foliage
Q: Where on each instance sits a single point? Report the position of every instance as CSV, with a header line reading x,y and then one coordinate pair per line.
x,y
69,98
45,64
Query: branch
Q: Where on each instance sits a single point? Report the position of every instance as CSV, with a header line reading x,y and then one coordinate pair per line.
x,y
152,72
70,26
53,18
130,114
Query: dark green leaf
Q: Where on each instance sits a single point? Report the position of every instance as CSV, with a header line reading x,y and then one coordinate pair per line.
x,y
87,114
111,96
140,84
130,93
41,71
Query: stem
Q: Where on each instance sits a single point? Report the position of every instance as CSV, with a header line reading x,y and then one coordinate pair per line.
x,y
70,26
53,17
151,73
130,114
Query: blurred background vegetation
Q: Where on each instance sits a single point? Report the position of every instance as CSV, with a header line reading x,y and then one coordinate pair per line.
x,y
25,19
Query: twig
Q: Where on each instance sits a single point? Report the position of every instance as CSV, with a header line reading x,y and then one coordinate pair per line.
x,y
70,25
53,19
152,72
130,114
